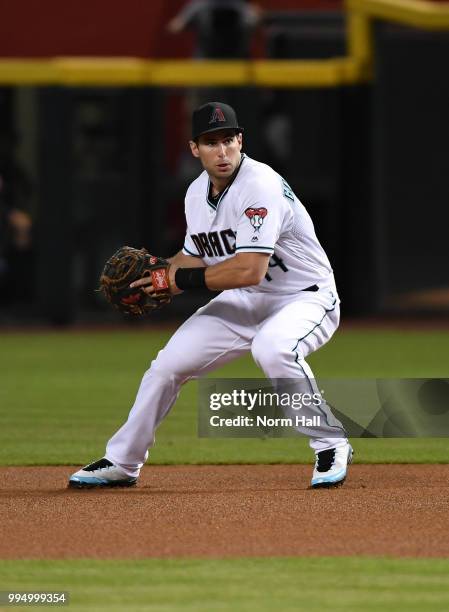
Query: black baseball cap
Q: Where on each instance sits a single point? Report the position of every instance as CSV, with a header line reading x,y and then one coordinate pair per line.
x,y
212,117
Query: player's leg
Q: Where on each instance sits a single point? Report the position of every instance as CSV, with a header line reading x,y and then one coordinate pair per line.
x,y
214,335
296,329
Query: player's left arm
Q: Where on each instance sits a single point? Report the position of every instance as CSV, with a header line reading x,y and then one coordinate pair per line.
x,y
242,270
260,221
181,260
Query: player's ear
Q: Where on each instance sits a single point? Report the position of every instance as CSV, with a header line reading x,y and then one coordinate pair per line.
x,y
240,139
194,148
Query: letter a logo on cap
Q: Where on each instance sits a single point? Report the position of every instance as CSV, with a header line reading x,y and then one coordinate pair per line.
x,y
217,115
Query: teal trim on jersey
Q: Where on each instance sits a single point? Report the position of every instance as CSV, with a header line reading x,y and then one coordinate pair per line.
x,y
317,325
213,206
256,247
304,372
318,407
184,248
222,195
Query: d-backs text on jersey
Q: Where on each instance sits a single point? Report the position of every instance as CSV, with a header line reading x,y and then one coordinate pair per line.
x,y
222,243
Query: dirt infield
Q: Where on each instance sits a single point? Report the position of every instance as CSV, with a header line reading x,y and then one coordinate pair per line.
x,y
221,511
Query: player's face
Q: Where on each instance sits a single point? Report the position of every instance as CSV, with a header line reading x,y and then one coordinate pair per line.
x,y
219,152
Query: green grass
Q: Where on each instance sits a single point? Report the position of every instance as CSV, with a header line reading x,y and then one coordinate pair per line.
x,y
262,584
62,395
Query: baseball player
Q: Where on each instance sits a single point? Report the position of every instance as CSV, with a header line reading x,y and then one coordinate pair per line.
x,y
249,237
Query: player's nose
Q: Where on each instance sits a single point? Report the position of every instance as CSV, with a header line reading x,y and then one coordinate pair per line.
x,y
221,149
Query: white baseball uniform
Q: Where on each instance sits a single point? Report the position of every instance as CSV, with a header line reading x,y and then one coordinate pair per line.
x,y
290,314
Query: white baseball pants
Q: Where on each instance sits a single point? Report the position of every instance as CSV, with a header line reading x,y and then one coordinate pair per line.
x,y
279,330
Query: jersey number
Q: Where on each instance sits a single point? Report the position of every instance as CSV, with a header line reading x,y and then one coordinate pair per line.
x,y
274,262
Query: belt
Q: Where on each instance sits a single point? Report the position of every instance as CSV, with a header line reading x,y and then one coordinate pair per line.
x,y
311,288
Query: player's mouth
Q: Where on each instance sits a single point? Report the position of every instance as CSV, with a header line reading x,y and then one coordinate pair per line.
x,y
224,166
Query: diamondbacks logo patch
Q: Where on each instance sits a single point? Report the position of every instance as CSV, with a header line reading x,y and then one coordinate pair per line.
x,y
256,217
217,116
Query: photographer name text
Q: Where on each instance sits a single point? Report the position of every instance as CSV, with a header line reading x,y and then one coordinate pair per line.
x,y
264,421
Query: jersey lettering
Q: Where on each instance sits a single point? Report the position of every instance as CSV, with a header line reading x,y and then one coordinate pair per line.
x,y
230,248
205,243
212,243
288,191
198,244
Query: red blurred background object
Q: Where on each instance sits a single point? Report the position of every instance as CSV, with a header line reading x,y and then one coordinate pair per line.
x,y
45,28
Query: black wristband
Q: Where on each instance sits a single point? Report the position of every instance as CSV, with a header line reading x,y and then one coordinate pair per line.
x,y
190,278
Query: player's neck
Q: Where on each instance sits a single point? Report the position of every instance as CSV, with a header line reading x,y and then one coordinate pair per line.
x,y
219,185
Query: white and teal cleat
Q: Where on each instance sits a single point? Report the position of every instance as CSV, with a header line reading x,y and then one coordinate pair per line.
x,y
101,473
331,467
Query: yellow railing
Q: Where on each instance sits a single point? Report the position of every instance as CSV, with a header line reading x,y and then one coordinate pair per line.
x,y
354,68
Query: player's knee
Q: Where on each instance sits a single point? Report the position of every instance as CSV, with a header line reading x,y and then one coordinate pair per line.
x,y
171,366
271,354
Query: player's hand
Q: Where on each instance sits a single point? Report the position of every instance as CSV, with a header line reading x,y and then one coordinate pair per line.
x,y
146,286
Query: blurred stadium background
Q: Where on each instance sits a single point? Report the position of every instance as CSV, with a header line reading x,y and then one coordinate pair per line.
x,y
348,101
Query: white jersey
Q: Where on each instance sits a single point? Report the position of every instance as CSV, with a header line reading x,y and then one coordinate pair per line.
x,y
256,213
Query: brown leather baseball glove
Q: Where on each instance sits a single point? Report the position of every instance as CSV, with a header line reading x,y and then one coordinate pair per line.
x,y
128,265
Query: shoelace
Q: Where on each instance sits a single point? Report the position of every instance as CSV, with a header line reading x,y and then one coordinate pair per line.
x,y
325,460
98,465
